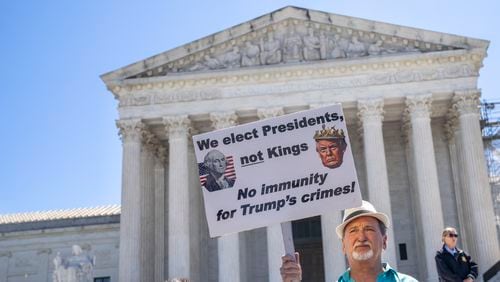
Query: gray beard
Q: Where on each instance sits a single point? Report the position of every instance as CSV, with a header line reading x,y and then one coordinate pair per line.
x,y
362,256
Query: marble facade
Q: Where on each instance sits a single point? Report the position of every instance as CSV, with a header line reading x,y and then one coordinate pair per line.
x,y
30,248
410,98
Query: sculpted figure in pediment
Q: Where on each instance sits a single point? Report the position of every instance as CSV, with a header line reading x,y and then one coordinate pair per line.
x,y
271,50
410,49
323,45
391,48
311,46
250,56
340,46
292,46
375,48
356,48
231,59
207,63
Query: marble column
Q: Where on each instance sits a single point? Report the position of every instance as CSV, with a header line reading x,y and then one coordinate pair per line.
x,y
454,146
149,147
371,116
275,246
228,246
178,128
159,205
333,257
476,186
426,179
130,228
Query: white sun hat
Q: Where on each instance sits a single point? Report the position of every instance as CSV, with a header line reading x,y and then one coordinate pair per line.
x,y
366,209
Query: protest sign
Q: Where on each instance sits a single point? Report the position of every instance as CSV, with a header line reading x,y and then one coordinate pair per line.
x,y
276,170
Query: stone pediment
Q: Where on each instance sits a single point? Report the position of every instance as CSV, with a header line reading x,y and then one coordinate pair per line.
x,y
289,36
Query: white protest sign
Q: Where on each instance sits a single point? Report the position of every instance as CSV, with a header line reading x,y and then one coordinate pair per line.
x,y
276,170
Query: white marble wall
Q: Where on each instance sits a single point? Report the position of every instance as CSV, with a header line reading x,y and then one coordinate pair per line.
x,y
27,256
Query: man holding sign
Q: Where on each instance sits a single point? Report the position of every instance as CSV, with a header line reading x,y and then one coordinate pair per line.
x,y
363,235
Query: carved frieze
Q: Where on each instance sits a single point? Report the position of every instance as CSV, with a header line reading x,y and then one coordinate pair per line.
x,y
292,41
337,78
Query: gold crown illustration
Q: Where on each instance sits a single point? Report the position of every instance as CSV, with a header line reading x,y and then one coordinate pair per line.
x,y
329,133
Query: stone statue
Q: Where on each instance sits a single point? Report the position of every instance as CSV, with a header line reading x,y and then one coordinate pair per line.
x,y
270,50
57,276
323,46
250,56
311,46
339,47
76,268
211,63
231,59
292,45
356,48
375,48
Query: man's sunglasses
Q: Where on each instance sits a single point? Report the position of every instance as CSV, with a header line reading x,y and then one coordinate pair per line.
x,y
453,235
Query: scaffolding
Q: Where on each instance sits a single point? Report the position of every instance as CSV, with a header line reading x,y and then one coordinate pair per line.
x,y
490,128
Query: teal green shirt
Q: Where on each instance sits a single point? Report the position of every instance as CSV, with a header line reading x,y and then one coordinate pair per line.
x,y
388,275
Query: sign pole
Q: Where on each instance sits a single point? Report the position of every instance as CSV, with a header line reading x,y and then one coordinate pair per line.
x,y
286,229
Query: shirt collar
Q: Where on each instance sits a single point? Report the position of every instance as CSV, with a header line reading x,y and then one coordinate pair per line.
x,y
386,271
451,251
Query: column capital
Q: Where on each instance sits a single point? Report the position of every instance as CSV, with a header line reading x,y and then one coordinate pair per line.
x,y
467,102
371,110
418,106
270,112
177,126
223,119
130,130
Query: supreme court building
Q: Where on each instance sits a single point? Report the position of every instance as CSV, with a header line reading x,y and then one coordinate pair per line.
x,y
410,98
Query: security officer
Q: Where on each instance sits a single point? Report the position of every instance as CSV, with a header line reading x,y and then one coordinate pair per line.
x,y
452,263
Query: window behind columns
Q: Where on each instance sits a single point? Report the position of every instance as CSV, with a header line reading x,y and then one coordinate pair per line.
x,y
307,239
102,279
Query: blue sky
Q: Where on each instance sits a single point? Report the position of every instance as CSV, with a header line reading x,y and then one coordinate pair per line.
x,y
59,146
